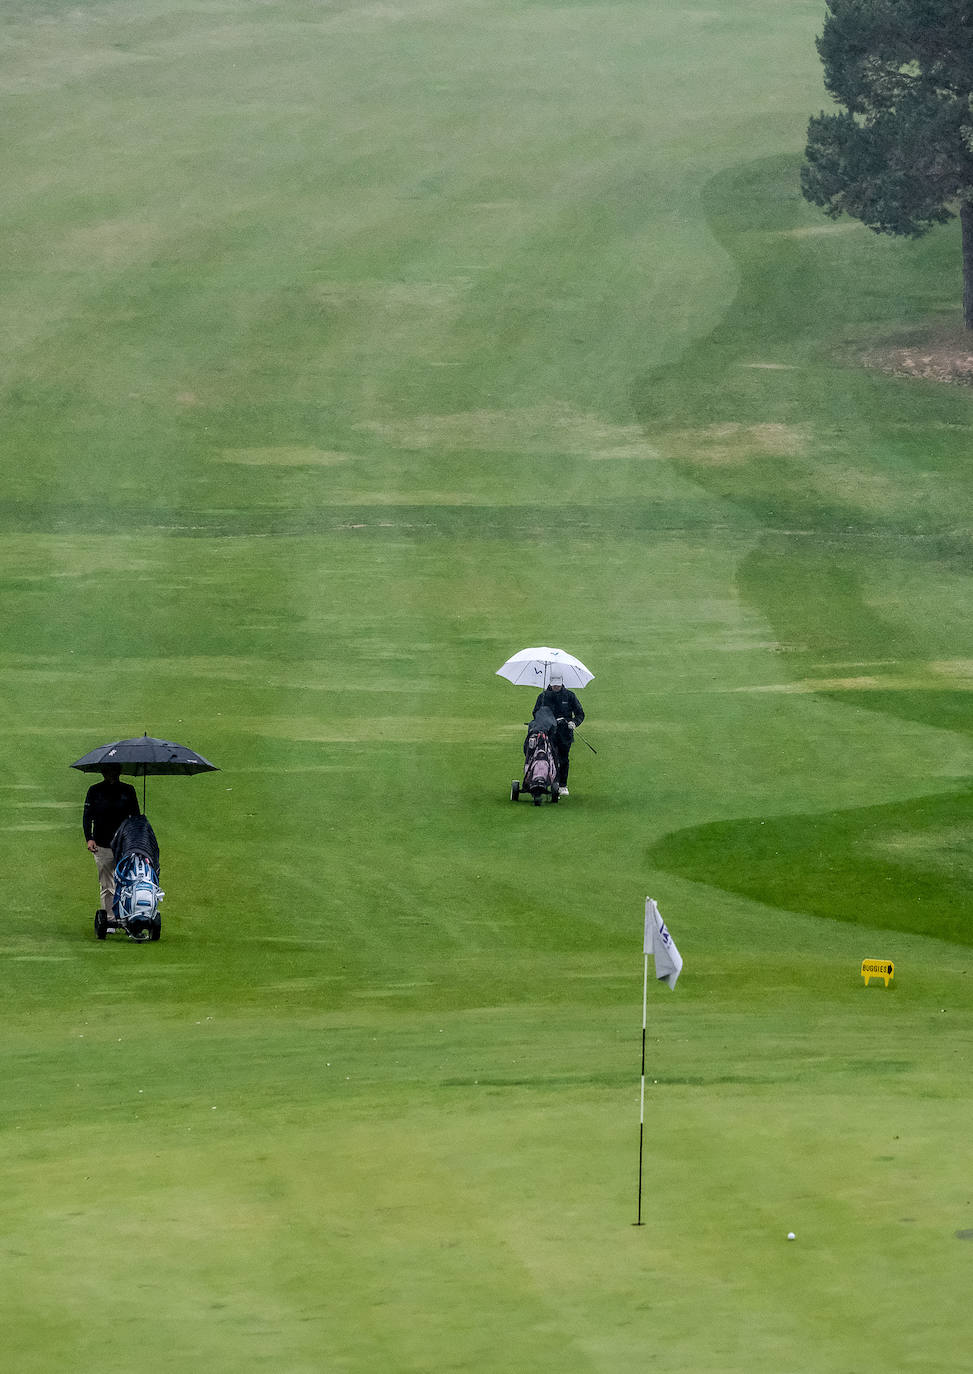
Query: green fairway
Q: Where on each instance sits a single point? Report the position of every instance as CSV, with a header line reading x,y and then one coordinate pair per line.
x,y
346,349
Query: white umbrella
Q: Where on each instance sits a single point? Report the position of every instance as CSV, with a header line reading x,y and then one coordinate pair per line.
x,y
532,668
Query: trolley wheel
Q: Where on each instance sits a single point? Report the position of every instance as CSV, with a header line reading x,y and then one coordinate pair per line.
x,y
514,790
555,794
101,925
155,928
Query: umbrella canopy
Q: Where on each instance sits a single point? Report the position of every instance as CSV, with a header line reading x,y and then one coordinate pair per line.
x,y
532,668
139,757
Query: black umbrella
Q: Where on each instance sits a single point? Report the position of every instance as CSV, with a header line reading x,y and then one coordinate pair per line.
x,y
139,757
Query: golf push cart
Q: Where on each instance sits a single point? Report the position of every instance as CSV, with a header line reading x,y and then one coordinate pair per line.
x,y
135,907
540,760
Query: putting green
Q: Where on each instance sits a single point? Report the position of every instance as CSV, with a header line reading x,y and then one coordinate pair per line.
x,y
346,349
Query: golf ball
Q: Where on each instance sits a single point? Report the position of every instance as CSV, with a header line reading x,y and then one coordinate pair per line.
x,y
791,1235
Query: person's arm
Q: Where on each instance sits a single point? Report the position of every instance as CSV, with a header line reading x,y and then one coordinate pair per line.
x,y
577,712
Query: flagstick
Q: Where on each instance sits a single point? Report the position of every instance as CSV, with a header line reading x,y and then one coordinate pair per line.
x,y
645,999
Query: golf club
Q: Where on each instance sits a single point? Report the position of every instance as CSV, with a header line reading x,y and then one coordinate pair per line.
x,y
580,736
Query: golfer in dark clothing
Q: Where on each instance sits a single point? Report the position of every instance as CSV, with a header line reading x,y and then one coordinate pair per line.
x,y
568,712
106,805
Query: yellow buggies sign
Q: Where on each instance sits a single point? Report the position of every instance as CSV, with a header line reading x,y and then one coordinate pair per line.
x,y
878,968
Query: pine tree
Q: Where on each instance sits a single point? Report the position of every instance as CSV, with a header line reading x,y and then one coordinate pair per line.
x,y
899,156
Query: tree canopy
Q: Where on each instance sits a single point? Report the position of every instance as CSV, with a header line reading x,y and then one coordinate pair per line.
x,y
899,156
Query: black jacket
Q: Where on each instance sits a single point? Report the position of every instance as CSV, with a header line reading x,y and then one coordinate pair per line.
x,y
105,807
565,706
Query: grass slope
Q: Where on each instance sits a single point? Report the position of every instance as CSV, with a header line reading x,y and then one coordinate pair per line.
x,y
346,349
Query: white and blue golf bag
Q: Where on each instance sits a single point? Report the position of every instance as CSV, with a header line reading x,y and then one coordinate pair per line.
x,y
135,906
137,898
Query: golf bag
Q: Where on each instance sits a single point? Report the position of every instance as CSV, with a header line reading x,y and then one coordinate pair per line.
x,y
540,759
137,896
135,907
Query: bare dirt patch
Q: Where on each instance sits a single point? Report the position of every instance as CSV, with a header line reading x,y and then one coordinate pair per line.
x,y
942,358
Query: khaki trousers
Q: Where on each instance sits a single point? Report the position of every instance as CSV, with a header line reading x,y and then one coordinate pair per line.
x,y
105,860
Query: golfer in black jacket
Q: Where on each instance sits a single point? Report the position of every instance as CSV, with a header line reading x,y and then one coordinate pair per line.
x,y
106,805
568,712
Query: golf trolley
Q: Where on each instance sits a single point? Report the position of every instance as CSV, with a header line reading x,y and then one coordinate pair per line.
x,y
135,905
135,908
540,761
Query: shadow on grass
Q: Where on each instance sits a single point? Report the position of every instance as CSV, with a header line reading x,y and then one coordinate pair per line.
x,y
906,866
851,473
776,411
811,593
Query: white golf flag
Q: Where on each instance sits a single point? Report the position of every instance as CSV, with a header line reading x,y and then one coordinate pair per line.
x,y
660,944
